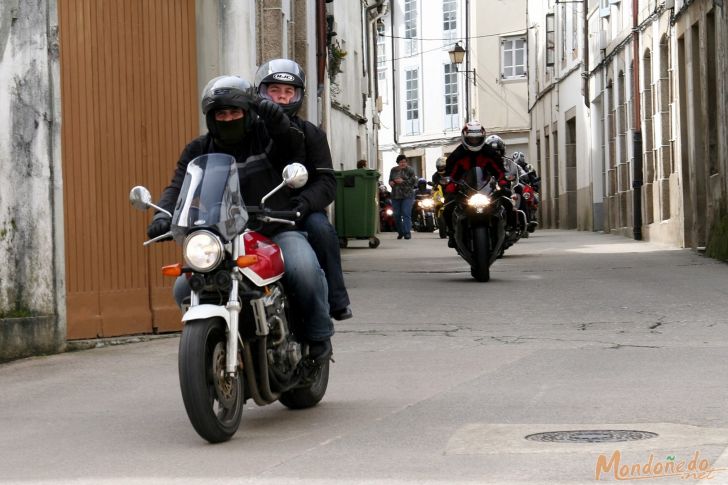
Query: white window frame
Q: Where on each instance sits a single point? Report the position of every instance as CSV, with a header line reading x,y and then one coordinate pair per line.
x,y
450,83
513,67
449,18
410,27
381,53
412,101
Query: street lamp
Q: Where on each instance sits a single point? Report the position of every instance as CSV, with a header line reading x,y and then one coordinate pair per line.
x,y
457,55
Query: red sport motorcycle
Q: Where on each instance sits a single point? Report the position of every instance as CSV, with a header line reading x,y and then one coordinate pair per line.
x,y
240,336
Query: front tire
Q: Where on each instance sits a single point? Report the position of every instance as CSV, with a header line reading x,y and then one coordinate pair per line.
x,y
213,400
306,397
480,269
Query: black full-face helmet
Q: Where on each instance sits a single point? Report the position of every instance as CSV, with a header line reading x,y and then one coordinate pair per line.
x,y
497,144
227,92
282,71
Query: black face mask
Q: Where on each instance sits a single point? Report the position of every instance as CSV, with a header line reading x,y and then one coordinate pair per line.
x,y
230,133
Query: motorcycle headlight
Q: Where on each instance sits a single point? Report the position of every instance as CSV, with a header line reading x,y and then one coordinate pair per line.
x,y
202,251
479,201
526,195
389,212
427,203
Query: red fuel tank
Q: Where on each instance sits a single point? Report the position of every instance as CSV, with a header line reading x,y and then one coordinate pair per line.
x,y
269,267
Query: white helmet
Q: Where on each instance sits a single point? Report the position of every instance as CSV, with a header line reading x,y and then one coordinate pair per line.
x,y
473,136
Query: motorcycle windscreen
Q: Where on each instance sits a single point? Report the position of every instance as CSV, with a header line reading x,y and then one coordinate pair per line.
x,y
210,198
479,181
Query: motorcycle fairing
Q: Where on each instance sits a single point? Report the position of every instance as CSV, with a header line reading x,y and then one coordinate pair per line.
x,y
210,198
269,267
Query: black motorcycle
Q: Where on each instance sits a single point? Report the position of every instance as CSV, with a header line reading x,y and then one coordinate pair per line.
x,y
423,213
479,220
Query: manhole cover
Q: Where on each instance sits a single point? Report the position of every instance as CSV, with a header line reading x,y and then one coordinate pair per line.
x,y
591,436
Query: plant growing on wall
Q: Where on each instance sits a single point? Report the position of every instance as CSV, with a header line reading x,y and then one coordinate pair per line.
x,y
336,56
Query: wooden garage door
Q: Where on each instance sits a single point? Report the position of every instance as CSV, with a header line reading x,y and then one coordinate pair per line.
x,y
129,104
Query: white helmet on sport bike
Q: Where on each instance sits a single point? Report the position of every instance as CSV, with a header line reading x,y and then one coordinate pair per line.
x,y
473,136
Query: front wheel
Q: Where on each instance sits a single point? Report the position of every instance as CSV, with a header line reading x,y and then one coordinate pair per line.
x,y
309,396
213,399
480,269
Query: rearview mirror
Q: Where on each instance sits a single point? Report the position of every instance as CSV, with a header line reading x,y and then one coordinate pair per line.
x,y
295,175
140,198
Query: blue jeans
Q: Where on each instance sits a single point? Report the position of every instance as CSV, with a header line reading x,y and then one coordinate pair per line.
x,y
403,215
325,243
305,284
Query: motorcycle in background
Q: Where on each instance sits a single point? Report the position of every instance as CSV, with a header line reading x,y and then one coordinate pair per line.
x,y
240,335
423,217
386,211
438,198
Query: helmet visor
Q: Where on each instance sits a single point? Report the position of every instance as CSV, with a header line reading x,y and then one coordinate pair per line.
x,y
283,94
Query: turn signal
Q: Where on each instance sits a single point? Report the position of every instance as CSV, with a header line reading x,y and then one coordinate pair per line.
x,y
246,260
172,270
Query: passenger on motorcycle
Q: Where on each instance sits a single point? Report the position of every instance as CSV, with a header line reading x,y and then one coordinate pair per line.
x,y
262,145
440,167
472,152
283,82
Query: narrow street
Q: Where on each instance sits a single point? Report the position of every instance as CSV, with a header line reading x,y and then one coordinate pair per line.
x,y
437,379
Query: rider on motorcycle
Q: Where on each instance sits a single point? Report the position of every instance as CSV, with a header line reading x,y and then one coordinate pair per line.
x,y
283,82
440,167
473,151
262,145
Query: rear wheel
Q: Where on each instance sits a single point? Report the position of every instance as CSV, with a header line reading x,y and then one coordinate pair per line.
x,y
306,397
480,269
213,400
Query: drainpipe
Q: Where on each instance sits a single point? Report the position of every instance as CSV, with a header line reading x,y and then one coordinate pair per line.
x,y
585,70
394,83
371,68
637,133
320,59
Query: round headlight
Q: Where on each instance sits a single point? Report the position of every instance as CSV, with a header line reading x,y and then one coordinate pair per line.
x,y
478,201
427,203
389,212
526,195
202,251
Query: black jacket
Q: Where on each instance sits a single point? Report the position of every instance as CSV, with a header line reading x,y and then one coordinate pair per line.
x,y
260,160
320,190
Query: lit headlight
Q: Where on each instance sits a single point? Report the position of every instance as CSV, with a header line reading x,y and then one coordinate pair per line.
x,y
479,201
202,251
427,203
389,212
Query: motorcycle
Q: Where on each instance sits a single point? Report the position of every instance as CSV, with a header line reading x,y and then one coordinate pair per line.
x,y
530,202
386,212
479,219
240,336
439,204
423,213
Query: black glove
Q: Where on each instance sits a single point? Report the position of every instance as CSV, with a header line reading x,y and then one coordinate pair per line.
x,y
159,226
299,204
276,121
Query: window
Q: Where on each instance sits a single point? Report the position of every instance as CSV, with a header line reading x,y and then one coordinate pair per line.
x,y
381,53
513,57
410,27
550,40
412,103
451,97
449,19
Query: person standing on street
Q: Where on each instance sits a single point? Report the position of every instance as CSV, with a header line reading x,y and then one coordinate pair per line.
x,y
403,180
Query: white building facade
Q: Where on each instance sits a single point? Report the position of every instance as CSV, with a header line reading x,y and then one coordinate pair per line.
x,y
426,98
644,83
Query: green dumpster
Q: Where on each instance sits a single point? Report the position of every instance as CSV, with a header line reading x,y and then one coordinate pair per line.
x,y
356,205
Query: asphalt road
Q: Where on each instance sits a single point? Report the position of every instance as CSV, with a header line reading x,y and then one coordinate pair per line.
x,y
438,379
